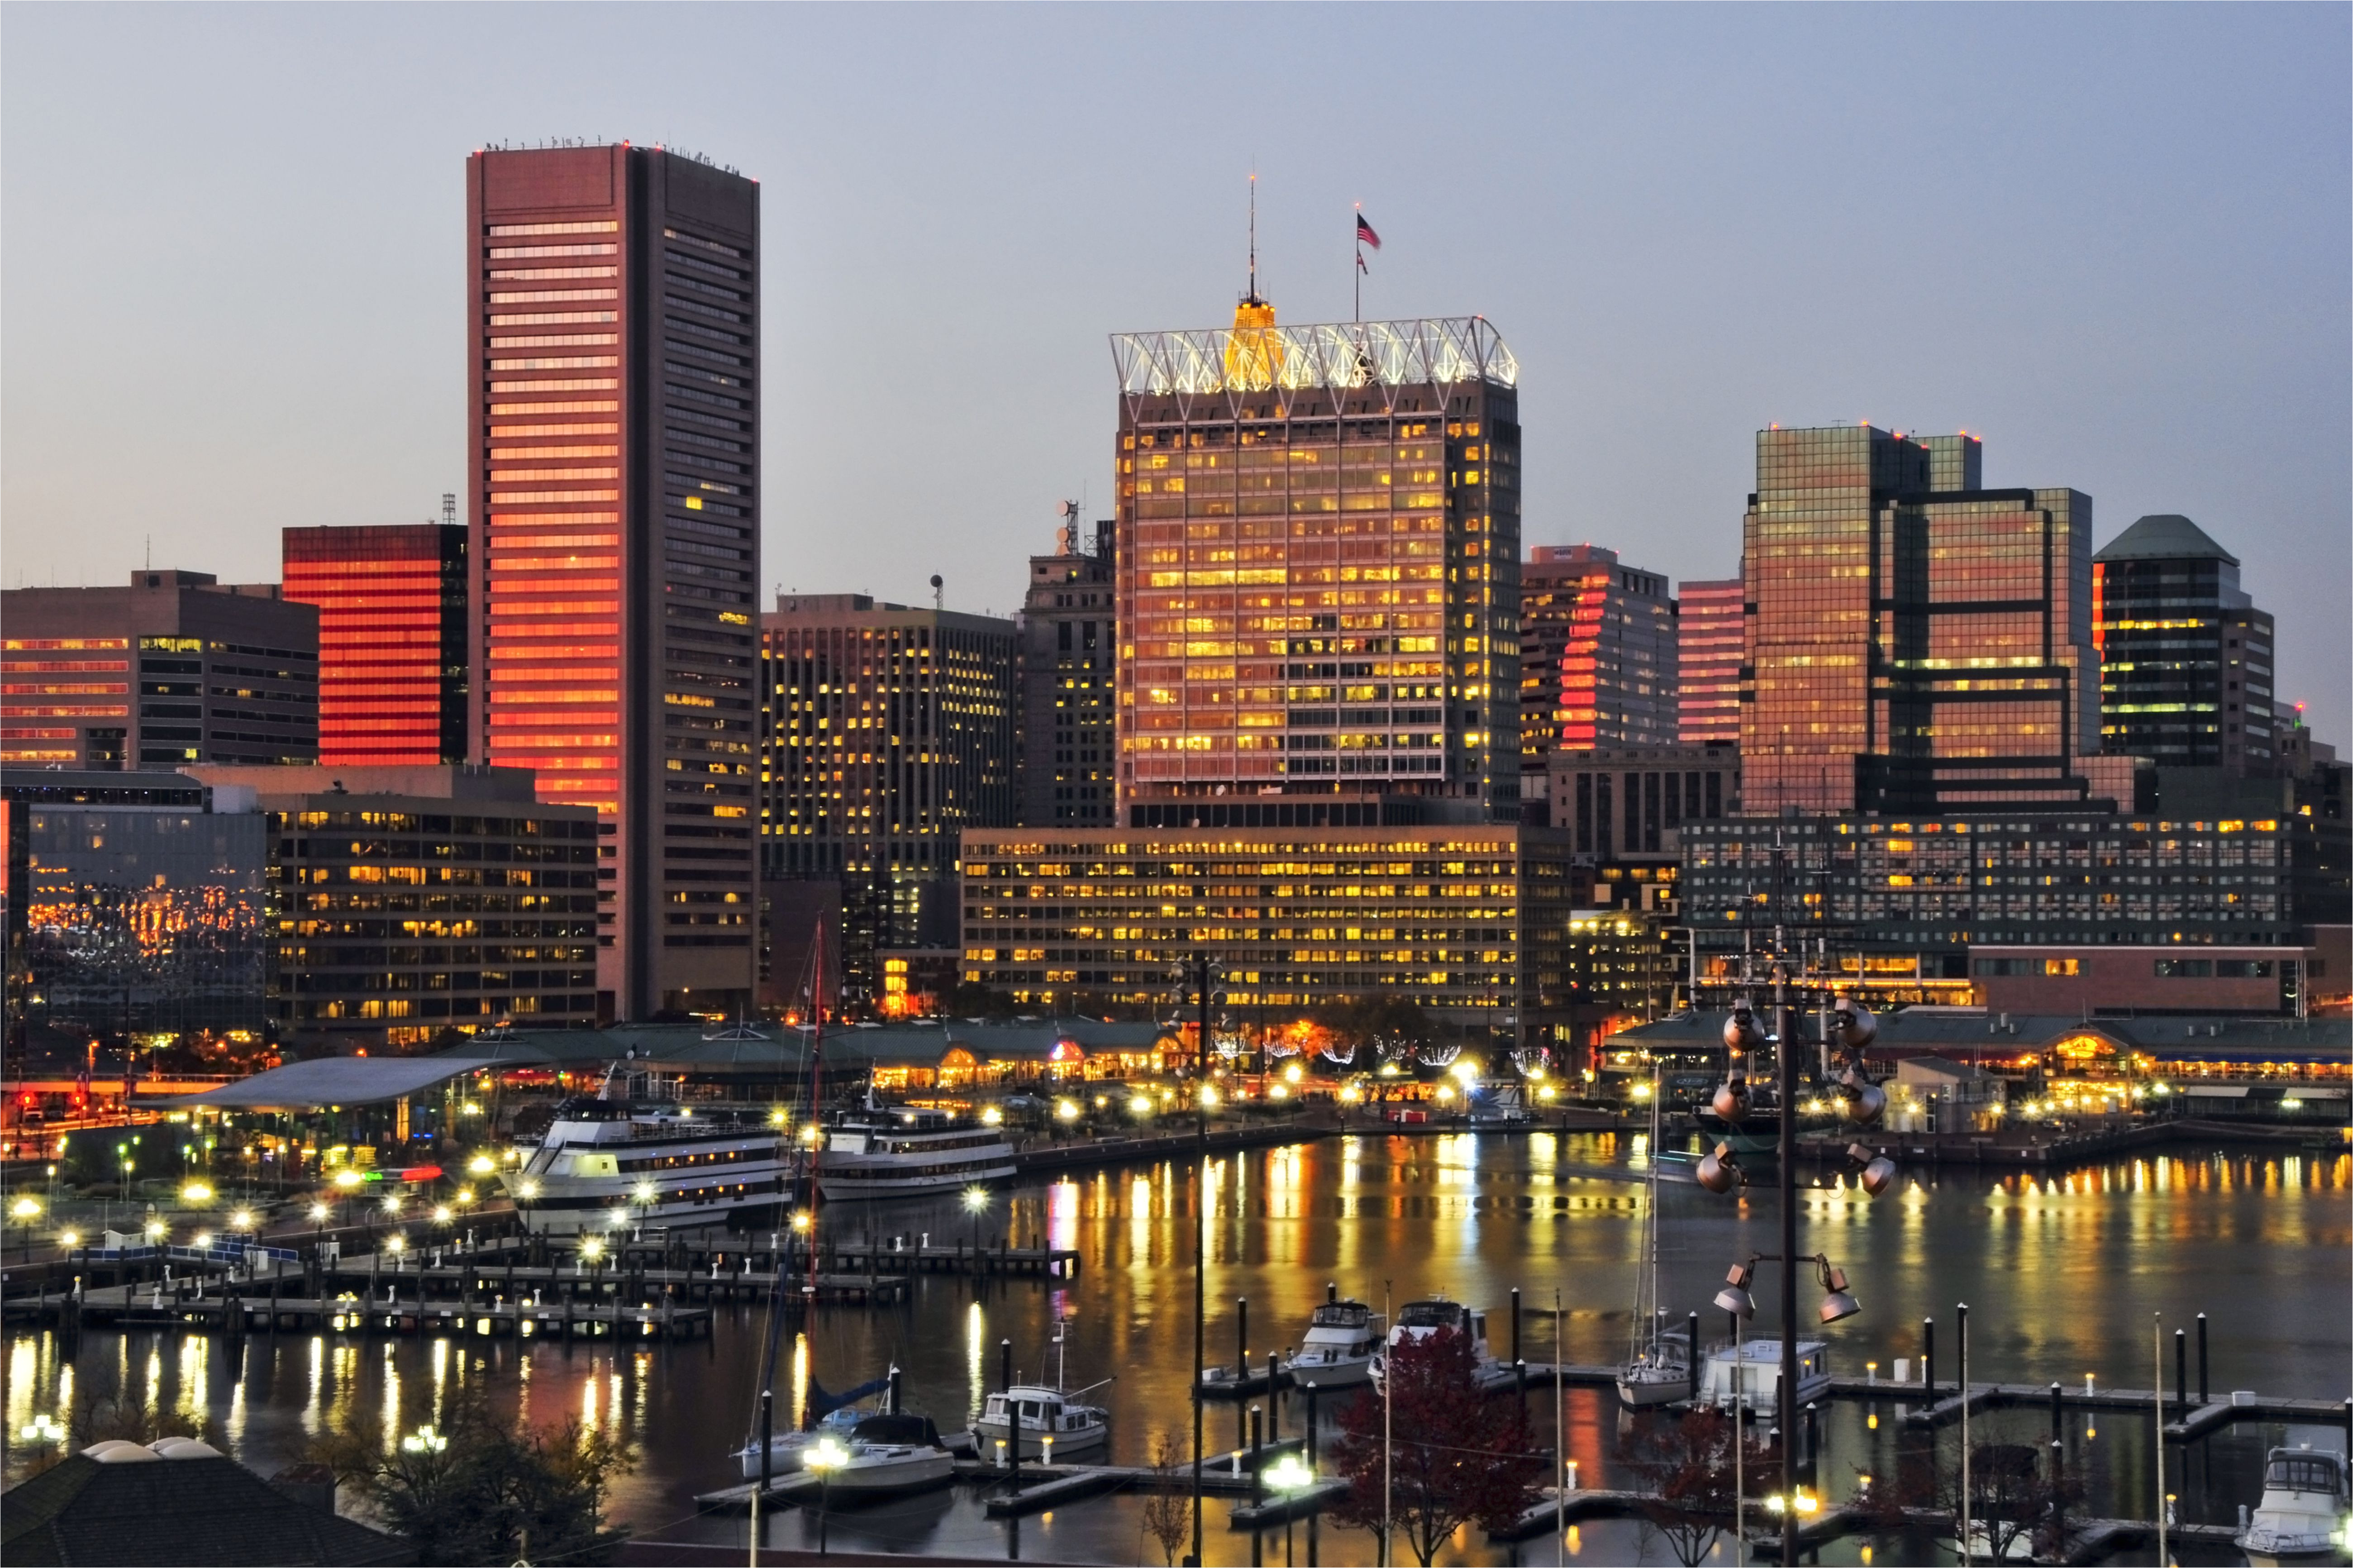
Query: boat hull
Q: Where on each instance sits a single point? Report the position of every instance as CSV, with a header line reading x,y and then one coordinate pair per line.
x,y
1648,1393
887,1474
1329,1376
1080,1440
842,1185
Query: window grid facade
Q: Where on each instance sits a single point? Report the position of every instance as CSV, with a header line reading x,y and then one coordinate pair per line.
x,y
1070,644
1318,588
1597,655
391,639
2186,658
616,408
1710,626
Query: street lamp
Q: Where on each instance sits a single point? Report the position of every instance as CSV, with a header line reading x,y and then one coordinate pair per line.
x,y
242,1220
1199,976
975,1203
26,1212
424,1440
1289,1476
826,1457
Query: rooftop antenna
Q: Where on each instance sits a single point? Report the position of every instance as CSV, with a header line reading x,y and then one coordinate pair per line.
x,y
449,509
1066,539
1252,298
939,593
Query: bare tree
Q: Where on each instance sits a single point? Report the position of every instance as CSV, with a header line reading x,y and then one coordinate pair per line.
x,y
1687,1470
1168,1511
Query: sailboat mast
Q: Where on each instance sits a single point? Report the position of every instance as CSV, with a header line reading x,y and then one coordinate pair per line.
x,y
817,1084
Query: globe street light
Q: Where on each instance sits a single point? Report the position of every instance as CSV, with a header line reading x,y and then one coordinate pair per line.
x,y
826,1457
975,1203
1291,1477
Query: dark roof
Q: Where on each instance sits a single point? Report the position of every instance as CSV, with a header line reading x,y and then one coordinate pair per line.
x,y
767,1049
335,1080
1945,1031
2164,536
192,1511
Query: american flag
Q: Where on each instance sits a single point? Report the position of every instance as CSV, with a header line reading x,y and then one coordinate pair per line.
x,y
1364,234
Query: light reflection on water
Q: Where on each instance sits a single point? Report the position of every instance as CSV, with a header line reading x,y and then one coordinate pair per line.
x,y
2062,1272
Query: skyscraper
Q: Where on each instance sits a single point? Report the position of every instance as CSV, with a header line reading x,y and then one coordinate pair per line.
x,y
176,667
1597,655
1916,642
1318,563
889,730
391,639
1070,639
612,309
2185,656
1709,626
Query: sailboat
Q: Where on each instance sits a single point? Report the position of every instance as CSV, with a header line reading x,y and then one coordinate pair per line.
x,y
1658,1361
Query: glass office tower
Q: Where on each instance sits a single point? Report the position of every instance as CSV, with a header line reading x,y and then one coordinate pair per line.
x,y
1068,639
613,328
2185,658
1597,655
1710,624
1318,560
391,639
1916,642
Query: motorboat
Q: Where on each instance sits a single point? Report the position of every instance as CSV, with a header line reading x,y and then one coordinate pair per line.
x,y
1420,1319
1659,1372
2303,1517
613,1162
883,1456
1336,1352
1051,1423
788,1450
886,1151
1749,1375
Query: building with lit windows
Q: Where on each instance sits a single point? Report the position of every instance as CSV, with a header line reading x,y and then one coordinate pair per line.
x,y
1711,623
392,638
890,733
176,668
2185,656
1318,568
1916,642
1597,656
137,903
408,901
614,418
1470,922
1070,644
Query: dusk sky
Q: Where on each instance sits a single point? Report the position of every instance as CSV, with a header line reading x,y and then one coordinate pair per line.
x,y
2111,240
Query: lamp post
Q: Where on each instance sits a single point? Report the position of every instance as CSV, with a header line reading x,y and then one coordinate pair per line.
x,y
826,1457
26,1212
1861,1103
1198,975
1289,1476
976,1203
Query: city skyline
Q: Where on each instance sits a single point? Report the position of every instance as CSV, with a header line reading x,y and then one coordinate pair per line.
x,y
2245,281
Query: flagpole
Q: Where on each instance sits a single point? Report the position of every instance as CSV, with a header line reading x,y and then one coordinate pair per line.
x,y
1359,279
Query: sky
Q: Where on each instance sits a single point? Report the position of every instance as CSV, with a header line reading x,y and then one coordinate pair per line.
x,y
2115,240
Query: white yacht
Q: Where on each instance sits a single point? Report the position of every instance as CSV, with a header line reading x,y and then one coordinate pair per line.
x,y
788,1450
614,1163
1659,1372
2303,1517
883,1456
900,1151
1337,1350
1749,1375
1419,1319
1053,1423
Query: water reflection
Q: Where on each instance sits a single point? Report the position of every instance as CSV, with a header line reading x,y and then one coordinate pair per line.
x,y
2062,1271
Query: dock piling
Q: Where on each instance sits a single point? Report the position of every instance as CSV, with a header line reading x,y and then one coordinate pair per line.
x,y
2202,1397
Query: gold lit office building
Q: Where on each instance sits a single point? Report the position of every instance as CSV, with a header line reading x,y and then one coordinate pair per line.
x,y
1470,922
1318,574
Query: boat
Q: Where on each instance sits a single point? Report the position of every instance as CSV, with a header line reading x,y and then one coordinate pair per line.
x,y
834,1415
1419,1319
1658,1361
610,1163
1053,1422
2304,1516
904,1151
1336,1352
884,1454
1754,1367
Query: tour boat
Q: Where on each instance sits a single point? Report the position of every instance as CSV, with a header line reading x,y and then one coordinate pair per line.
x,y
900,1152
610,1164
1337,1350
2303,1517
1419,1319
1053,1422
1749,1375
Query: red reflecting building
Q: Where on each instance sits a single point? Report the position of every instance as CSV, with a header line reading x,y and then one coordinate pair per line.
x,y
391,639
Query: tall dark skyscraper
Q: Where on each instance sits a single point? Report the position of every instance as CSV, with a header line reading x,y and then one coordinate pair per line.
x,y
391,639
1597,656
1916,641
2185,656
1319,533
1069,645
1709,627
613,407
176,668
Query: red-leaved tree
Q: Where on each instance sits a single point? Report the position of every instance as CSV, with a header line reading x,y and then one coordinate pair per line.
x,y
1456,1457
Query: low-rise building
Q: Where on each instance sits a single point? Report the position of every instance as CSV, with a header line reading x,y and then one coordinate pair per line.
x,y
408,901
1469,923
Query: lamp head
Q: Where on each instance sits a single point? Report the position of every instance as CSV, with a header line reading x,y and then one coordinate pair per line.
x,y
1734,1297
1718,1171
1731,1102
1854,1023
1877,1172
1861,1100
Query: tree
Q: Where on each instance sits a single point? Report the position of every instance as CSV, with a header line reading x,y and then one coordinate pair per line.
x,y
1168,1511
1686,1471
2014,1502
483,1492
1456,1457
